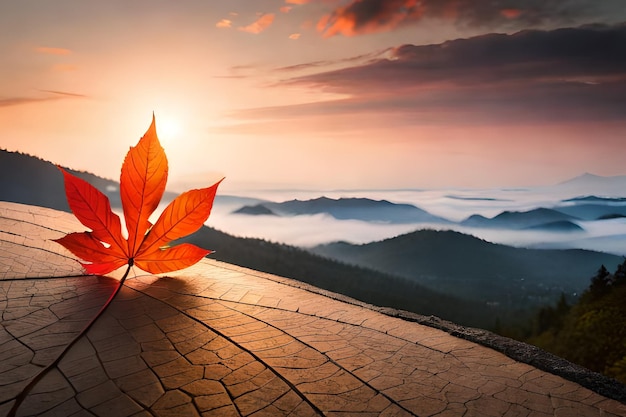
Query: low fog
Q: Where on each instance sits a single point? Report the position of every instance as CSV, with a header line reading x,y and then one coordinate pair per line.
x,y
452,204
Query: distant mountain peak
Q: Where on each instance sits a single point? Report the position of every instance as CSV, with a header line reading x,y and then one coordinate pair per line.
x,y
255,210
589,178
590,175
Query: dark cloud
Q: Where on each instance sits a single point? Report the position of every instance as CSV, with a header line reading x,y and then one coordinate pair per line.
x,y
367,16
327,63
50,95
591,51
565,74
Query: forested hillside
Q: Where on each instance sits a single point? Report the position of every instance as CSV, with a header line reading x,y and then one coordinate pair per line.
x,y
592,331
458,264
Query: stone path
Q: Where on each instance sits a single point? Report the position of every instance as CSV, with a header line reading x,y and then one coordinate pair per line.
x,y
220,340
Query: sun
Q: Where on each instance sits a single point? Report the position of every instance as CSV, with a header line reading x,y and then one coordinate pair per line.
x,y
169,129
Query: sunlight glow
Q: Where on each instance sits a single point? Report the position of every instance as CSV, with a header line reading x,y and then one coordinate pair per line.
x,y
169,129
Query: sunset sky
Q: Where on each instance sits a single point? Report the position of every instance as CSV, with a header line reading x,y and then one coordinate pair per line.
x,y
323,94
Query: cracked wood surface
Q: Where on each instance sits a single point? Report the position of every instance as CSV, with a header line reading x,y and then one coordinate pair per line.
x,y
220,340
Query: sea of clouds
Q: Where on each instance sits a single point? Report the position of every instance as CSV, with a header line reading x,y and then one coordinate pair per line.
x,y
452,204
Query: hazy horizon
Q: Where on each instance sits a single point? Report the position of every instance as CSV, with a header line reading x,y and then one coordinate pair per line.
x,y
453,204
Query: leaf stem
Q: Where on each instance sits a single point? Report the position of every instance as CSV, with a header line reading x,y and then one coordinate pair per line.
x,y
22,395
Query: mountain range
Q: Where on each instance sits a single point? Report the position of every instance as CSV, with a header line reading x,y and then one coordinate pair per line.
x,y
563,217
364,209
566,216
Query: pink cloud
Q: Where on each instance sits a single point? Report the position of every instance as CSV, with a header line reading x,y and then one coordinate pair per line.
x,y
224,23
260,24
294,36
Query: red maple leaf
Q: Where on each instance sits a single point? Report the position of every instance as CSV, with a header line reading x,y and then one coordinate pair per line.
x,y
142,183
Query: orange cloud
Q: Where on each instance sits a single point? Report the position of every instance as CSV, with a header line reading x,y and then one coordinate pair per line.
x,y
294,36
224,23
286,9
510,13
260,25
368,16
52,51
297,1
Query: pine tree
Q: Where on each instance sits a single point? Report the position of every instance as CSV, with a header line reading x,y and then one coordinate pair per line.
x,y
600,283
